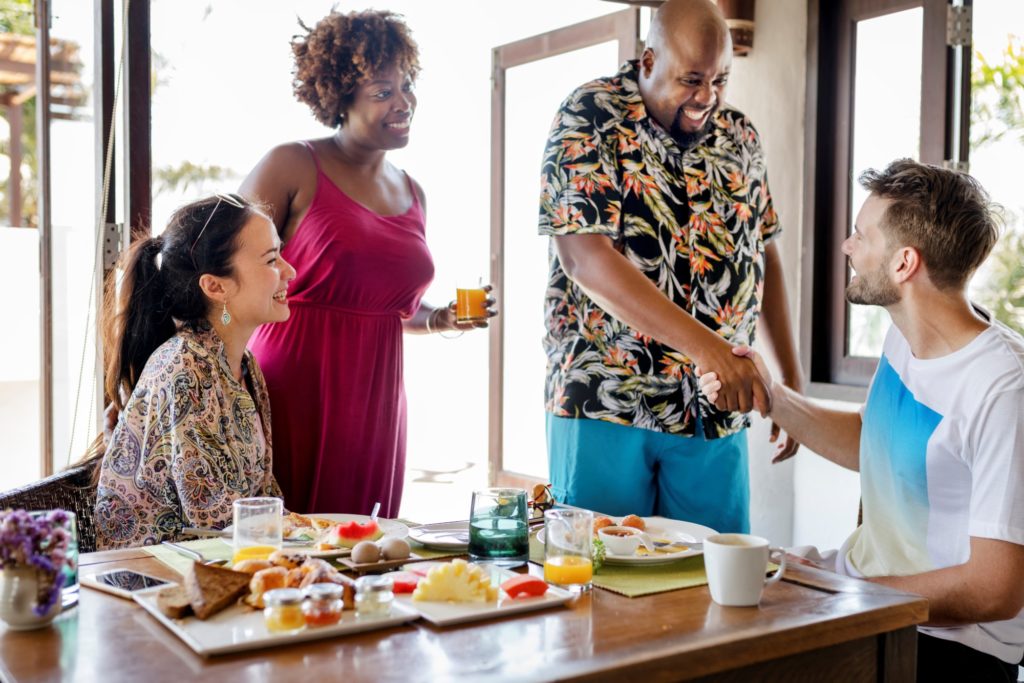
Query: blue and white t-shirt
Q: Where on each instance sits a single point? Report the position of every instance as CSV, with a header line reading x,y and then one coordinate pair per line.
x,y
942,460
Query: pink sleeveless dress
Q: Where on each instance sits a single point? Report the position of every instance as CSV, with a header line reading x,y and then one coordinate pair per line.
x,y
334,368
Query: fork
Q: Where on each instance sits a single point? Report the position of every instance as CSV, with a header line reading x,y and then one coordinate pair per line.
x,y
696,545
194,554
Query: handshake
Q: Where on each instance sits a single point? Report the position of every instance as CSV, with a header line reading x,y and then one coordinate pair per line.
x,y
744,383
730,397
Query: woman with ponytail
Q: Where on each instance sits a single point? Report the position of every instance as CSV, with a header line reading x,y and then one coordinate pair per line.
x,y
193,434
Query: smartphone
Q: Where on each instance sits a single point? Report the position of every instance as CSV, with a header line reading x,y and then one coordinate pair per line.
x,y
122,582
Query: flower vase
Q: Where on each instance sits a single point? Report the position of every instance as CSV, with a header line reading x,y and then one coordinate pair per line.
x,y
19,593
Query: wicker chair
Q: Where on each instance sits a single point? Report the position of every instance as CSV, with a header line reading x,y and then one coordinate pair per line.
x,y
71,490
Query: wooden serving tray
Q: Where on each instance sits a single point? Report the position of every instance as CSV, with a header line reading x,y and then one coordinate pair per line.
x,y
380,565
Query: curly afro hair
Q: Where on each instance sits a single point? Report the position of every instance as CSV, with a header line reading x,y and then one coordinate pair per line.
x,y
342,50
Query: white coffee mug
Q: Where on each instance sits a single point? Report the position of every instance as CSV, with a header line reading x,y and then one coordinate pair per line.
x,y
736,565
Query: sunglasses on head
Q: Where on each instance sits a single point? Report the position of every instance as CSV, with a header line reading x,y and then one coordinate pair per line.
x,y
231,199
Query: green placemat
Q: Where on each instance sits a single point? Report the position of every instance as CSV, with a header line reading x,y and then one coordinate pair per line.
x,y
637,580
211,548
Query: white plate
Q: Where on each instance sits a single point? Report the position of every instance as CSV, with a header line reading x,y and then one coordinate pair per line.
x,y
447,613
442,536
390,527
239,628
660,528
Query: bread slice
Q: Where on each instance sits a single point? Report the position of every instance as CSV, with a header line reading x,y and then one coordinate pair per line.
x,y
174,602
211,589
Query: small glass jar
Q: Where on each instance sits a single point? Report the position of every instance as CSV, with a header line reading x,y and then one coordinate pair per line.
x,y
324,603
283,611
374,595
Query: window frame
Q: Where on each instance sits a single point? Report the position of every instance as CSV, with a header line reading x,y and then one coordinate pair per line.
x,y
824,320
622,26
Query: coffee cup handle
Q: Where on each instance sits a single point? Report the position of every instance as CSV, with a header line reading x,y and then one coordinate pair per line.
x,y
782,565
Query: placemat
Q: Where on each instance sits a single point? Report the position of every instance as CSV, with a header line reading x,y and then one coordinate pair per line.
x,y
635,581
211,548
217,549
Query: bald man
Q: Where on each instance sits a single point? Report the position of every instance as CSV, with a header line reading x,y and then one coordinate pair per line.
x,y
655,194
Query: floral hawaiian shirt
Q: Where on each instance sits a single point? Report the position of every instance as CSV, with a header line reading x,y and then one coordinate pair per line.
x,y
694,223
190,441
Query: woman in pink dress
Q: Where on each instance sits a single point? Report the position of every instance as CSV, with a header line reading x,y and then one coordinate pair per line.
x,y
353,226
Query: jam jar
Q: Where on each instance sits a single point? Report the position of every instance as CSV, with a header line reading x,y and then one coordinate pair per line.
x,y
283,611
374,595
324,603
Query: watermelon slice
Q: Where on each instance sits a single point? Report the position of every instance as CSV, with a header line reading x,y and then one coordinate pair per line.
x,y
525,586
348,534
405,582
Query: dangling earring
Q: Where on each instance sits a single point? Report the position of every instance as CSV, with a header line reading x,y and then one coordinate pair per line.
x,y
225,317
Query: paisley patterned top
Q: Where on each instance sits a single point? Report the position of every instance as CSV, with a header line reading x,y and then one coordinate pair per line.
x,y
190,441
695,223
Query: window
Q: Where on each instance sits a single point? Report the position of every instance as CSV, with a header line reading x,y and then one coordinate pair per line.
x,y
885,87
996,147
48,401
532,77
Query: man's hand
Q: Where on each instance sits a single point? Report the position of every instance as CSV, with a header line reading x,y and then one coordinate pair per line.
x,y
736,382
711,387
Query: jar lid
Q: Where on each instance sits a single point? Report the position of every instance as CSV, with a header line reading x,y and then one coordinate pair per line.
x,y
374,584
325,591
280,597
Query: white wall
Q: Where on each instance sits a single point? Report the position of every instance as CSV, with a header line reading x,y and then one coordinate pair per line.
x,y
826,497
769,86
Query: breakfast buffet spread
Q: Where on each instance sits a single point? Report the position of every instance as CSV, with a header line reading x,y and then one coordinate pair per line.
x,y
296,593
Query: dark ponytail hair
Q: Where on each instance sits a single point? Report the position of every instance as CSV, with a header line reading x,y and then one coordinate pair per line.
x,y
160,285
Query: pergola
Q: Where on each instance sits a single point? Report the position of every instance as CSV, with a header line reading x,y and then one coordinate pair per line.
x,y
18,86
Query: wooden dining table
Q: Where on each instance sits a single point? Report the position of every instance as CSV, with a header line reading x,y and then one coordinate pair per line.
x,y
811,626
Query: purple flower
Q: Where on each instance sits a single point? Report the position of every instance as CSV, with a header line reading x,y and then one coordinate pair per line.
x,y
40,541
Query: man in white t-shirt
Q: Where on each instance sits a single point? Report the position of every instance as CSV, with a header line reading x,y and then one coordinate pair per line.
x,y
940,441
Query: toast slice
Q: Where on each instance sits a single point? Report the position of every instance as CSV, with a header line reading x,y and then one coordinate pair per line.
x,y
211,589
174,602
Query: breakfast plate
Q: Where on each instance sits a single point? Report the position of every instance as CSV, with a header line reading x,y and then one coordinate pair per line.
x,y
239,628
448,613
390,527
442,536
661,530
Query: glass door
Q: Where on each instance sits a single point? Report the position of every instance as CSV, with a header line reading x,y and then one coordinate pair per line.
x,y
70,269
531,78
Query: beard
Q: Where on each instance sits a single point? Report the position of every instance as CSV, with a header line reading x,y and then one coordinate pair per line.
x,y
873,290
688,140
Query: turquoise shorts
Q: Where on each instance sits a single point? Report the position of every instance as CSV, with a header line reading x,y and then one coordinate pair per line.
x,y
621,470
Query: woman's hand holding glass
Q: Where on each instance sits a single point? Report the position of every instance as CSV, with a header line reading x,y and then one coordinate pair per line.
x,y
471,309
466,315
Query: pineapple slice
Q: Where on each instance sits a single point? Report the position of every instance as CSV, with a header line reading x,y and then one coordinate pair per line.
x,y
456,581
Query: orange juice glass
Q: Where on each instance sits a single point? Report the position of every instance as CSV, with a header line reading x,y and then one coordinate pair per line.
x,y
252,552
470,304
568,570
257,527
568,537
